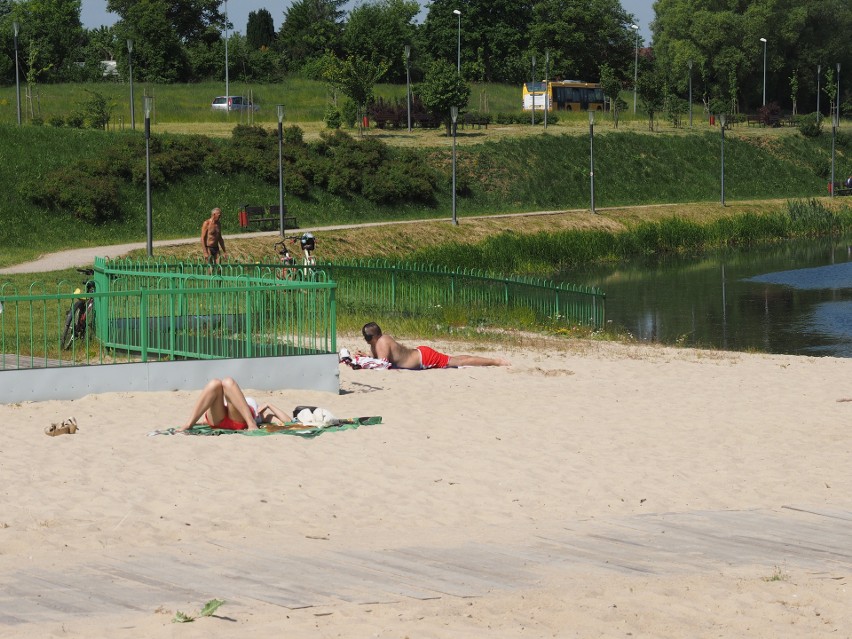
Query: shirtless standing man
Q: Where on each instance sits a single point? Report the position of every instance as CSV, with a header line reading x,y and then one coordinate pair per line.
x,y
386,347
211,237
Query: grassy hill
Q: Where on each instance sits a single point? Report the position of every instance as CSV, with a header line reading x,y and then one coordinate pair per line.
x,y
503,169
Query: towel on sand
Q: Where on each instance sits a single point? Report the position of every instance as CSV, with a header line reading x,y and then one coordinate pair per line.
x,y
290,428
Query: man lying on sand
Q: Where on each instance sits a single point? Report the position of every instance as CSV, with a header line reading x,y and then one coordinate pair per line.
x,y
386,347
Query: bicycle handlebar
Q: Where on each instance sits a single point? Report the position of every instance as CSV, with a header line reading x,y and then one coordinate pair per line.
x,y
86,271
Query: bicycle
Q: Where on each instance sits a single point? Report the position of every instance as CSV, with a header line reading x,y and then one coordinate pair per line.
x,y
81,315
288,270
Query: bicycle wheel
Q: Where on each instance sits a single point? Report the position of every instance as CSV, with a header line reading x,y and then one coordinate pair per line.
x,y
70,327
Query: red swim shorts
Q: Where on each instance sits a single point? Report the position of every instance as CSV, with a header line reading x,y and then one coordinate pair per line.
x,y
430,358
227,424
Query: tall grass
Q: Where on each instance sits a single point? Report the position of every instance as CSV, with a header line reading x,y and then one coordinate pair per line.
x,y
544,254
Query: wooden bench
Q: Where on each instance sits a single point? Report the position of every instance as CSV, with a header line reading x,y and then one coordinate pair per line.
x,y
260,215
474,121
840,190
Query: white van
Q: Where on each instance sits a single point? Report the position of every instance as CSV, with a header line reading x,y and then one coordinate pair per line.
x,y
233,103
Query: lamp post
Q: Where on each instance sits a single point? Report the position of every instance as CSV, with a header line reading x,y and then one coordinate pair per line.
x,y
148,102
227,88
408,85
763,40
454,113
819,73
532,92
281,168
837,109
722,128
458,50
130,65
635,28
834,122
546,86
690,92
17,74
592,156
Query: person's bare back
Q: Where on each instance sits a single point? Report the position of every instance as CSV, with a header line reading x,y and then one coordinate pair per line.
x,y
386,347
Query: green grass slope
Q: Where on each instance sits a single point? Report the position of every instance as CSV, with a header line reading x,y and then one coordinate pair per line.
x,y
548,171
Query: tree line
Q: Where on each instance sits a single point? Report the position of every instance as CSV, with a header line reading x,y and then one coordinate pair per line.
x,y
184,41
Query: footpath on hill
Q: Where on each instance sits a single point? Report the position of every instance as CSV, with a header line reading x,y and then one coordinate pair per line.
x,y
85,256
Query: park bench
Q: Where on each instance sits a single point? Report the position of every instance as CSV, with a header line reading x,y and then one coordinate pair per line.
x,y
260,215
840,189
474,121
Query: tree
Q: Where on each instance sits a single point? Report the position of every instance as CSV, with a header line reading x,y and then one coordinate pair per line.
x,y
53,28
611,85
379,31
650,88
723,39
355,77
188,19
441,89
581,36
260,30
494,37
310,28
159,55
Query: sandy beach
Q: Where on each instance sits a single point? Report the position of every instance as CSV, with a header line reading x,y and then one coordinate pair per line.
x,y
592,489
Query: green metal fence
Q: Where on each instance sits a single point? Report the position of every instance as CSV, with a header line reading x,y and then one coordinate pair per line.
x,y
168,309
414,289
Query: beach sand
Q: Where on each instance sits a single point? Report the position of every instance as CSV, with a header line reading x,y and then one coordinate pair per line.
x,y
547,475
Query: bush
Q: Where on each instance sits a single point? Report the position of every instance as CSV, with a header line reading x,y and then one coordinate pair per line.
x,y
91,198
75,120
332,117
810,125
56,121
349,113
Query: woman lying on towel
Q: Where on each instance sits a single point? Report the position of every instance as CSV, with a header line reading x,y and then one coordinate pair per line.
x,y
224,405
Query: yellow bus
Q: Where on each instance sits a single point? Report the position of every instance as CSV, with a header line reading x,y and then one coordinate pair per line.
x,y
563,95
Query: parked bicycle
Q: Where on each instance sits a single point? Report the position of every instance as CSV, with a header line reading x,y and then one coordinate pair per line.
x,y
81,315
288,269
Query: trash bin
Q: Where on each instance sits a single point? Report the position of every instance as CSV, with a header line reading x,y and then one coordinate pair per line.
x,y
366,122
712,120
830,188
243,219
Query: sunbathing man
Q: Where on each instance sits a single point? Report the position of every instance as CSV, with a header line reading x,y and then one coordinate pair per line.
x,y
223,405
386,347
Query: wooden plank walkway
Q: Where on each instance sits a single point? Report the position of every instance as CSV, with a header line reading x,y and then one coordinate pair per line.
x,y
660,544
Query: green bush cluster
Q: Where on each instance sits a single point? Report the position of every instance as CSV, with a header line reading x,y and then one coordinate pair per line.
x,y
90,189
525,117
810,125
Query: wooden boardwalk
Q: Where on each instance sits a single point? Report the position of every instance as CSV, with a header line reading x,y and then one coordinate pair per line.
x,y
659,544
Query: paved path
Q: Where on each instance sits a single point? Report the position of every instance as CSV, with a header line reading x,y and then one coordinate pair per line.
x,y
140,580
85,256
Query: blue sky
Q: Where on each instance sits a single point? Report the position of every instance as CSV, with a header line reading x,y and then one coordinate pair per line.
x,y
94,13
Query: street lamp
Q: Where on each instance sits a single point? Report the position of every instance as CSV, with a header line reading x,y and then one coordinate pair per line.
x,y
532,92
763,40
635,28
592,156
458,53
546,87
130,64
17,74
227,88
408,85
819,73
281,168
690,92
837,110
148,102
834,123
722,128
454,113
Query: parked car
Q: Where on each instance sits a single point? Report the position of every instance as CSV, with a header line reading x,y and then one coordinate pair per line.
x,y
233,103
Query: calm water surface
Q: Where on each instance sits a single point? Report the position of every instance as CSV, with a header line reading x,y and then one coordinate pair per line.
x,y
794,297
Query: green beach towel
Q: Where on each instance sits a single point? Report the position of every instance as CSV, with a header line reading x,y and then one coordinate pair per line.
x,y
290,428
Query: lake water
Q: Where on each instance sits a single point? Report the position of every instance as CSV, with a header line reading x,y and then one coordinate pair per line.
x,y
794,297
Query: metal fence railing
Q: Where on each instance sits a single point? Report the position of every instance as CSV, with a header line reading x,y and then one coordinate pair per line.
x,y
156,308
161,309
404,288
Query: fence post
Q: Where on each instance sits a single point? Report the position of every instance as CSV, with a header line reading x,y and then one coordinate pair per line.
x,y
249,344
393,286
143,323
172,320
